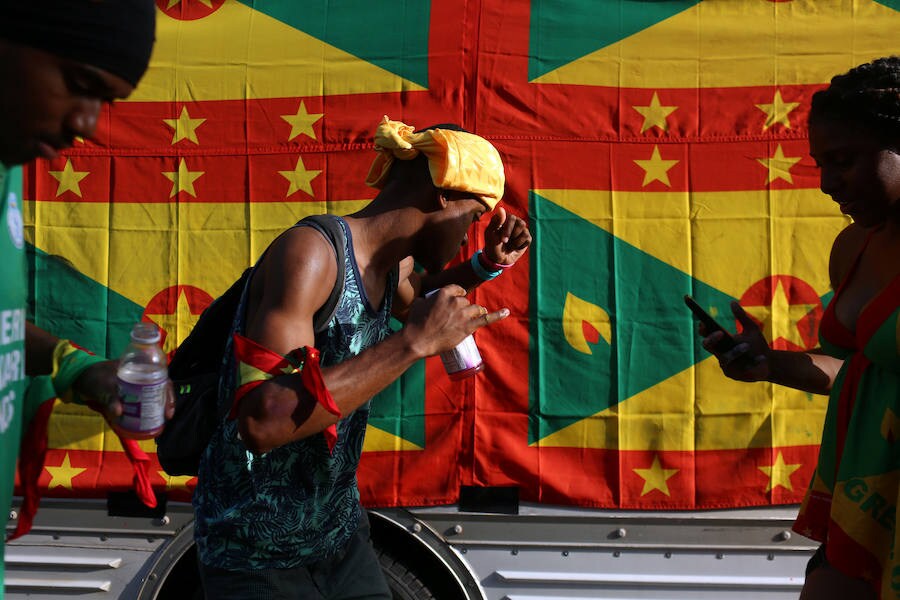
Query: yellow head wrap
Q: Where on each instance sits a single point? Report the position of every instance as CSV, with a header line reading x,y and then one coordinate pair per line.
x,y
457,160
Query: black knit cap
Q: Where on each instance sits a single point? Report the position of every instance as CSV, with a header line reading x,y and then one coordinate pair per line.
x,y
113,35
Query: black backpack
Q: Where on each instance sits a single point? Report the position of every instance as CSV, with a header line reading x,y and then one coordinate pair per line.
x,y
198,364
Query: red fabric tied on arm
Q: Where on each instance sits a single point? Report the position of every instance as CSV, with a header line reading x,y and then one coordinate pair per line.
x,y
257,364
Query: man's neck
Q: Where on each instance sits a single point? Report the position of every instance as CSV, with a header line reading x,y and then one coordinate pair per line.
x,y
381,239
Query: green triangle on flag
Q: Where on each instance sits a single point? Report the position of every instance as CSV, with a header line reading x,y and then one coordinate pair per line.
x,y
565,30
610,317
398,411
73,306
389,33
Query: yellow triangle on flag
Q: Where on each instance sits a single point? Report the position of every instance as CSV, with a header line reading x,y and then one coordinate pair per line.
x,y
237,53
379,440
720,238
76,427
742,43
724,415
140,249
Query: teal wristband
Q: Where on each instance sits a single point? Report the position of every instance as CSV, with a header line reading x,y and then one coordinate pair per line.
x,y
480,271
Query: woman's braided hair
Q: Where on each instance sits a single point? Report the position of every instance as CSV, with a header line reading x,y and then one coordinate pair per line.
x,y
868,95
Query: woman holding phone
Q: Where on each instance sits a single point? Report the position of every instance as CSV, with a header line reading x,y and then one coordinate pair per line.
x,y
851,505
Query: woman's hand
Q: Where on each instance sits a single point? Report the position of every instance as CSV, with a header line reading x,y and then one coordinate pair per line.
x,y
749,359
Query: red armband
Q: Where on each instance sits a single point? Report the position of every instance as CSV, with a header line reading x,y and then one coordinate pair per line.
x,y
256,365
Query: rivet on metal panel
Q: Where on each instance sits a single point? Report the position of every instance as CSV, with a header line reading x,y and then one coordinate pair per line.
x,y
621,532
719,556
616,554
565,553
771,556
162,521
417,527
457,529
13,515
515,552
668,555
463,550
784,536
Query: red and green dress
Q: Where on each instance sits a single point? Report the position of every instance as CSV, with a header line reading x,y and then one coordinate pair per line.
x,y
851,504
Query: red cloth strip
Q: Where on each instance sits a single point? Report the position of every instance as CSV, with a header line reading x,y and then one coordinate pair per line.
x,y
140,463
305,359
33,450
315,383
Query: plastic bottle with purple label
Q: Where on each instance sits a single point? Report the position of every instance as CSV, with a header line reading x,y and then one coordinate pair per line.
x,y
143,378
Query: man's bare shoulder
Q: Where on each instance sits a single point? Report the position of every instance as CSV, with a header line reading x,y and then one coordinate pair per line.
x,y
299,265
302,242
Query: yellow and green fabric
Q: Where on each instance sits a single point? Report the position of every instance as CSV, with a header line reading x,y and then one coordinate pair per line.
x,y
657,149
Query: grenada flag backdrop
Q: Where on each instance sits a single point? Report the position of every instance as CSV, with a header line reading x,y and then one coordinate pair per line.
x,y
656,148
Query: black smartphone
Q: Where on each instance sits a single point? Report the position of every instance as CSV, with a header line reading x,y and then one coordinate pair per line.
x,y
727,342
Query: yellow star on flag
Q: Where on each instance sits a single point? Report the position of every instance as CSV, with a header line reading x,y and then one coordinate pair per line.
x,y
655,478
175,482
63,475
779,166
302,122
655,168
777,111
780,474
183,180
68,179
781,318
178,325
185,128
300,178
655,114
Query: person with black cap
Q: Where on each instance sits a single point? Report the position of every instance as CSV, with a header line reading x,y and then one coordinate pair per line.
x,y
60,62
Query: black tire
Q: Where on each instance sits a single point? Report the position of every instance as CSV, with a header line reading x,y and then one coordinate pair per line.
x,y
404,584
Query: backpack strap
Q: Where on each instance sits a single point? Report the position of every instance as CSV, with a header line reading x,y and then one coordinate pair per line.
x,y
333,229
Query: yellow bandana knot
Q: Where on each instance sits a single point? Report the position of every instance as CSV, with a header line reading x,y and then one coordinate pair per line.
x,y
457,160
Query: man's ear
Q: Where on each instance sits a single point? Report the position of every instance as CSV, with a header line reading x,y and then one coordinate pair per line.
x,y
442,196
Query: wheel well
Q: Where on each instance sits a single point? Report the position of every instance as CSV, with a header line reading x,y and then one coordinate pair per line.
x,y
174,574
440,574
420,557
183,581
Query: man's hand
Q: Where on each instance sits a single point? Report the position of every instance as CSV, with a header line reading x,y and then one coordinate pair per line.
x,y
444,319
506,238
98,386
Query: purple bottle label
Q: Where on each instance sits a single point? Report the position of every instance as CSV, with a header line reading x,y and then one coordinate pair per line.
x,y
142,405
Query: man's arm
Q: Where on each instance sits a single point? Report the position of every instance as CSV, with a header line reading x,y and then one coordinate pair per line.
x,y
39,345
506,239
294,281
96,384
